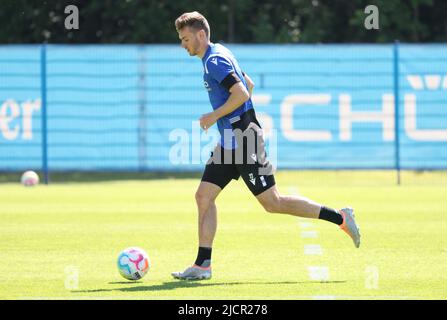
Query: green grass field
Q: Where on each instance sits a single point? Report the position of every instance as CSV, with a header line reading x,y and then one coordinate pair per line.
x,y
50,233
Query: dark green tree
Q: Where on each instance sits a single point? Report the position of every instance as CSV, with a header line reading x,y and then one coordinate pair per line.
x,y
241,21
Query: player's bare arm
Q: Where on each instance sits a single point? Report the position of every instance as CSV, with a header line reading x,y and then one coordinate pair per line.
x,y
238,96
250,84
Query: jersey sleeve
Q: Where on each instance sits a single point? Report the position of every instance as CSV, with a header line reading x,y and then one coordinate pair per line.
x,y
219,68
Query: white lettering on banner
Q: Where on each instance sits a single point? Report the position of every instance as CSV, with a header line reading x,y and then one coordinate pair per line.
x,y
28,108
410,123
10,111
432,81
5,119
287,108
415,82
261,99
347,117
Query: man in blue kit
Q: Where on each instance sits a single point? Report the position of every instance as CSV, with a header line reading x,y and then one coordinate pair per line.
x,y
240,152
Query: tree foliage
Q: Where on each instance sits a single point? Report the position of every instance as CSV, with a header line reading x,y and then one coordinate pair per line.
x,y
240,21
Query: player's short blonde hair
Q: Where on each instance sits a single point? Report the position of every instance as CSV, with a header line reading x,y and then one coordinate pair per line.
x,y
194,20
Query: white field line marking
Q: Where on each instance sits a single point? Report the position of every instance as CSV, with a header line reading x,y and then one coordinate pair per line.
x,y
318,273
309,234
313,249
306,225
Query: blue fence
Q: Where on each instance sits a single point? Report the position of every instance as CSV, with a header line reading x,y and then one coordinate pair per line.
x,y
130,108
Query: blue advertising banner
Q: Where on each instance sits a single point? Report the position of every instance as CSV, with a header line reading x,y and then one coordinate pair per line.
x,y
129,108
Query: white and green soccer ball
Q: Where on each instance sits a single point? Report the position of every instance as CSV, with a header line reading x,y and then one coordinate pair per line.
x,y
133,263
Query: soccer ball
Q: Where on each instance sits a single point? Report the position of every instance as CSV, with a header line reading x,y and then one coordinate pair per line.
x,y
133,263
29,178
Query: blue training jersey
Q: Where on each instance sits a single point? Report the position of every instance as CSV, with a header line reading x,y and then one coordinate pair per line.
x,y
218,63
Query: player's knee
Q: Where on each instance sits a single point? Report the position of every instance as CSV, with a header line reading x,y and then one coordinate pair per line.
x,y
203,201
272,205
271,208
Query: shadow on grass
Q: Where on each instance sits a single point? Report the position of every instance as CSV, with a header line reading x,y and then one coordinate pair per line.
x,y
175,284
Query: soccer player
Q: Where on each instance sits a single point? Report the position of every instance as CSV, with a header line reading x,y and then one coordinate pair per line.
x,y
230,91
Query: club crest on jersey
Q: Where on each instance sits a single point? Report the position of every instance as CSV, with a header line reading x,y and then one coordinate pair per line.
x,y
207,86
